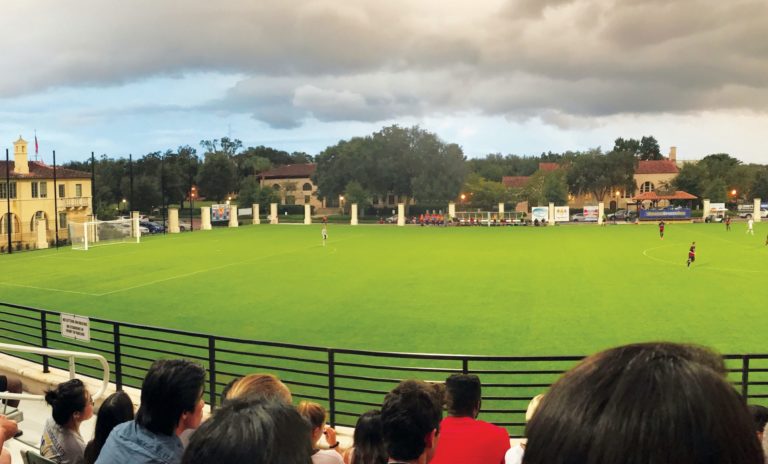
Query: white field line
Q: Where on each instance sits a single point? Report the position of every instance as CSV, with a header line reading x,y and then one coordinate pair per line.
x,y
645,253
49,289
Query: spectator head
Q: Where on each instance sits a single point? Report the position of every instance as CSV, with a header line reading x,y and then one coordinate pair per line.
x,y
259,386
266,431
70,401
369,443
410,420
532,406
463,393
760,418
658,403
172,397
115,410
315,415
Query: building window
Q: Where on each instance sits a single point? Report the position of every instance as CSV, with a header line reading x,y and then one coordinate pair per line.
x,y
35,192
62,220
290,200
306,199
307,187
4,190
646,187
78,190
43,189
276,187
62,190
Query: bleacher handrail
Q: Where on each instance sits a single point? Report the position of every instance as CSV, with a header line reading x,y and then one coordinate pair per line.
x,y
70,355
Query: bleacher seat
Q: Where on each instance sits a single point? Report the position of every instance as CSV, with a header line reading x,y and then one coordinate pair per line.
x,y
30,457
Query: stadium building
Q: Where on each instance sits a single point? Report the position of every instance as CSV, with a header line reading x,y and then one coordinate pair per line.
x,y
38,203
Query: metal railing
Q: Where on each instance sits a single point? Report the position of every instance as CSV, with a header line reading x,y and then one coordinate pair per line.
x,y
347,382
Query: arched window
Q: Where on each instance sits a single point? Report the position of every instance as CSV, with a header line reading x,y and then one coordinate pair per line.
x,y
647,187
307,187
276,186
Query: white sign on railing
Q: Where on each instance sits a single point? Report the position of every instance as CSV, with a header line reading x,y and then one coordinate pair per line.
x,y
77,327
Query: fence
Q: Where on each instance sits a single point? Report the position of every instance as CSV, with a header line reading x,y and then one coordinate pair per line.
x,y
347,382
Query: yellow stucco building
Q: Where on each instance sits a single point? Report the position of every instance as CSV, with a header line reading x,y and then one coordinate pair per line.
x,y
37,201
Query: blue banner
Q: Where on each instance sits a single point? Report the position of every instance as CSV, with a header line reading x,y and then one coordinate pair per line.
x,y
671,213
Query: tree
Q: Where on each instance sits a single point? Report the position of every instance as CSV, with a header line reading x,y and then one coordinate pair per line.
x,y
225,145
600,174
760,185
647,148
406,162
691,178
252,192
355,193
218,176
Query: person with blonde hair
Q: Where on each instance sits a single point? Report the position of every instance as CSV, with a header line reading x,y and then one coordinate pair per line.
x,y
317,416
259,386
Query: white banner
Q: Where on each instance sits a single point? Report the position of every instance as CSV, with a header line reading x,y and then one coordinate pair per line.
x,y
590,213
77,327
562,214
540,212
244,211
717,207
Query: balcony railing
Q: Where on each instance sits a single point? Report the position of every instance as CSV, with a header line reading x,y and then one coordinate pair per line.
x,y
75,202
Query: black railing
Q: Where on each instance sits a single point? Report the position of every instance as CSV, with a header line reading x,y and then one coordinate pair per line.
x,y
347,382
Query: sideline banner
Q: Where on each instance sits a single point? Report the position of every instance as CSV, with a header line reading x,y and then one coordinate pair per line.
x,y
219,213
540,212
591,213
682,213
562,214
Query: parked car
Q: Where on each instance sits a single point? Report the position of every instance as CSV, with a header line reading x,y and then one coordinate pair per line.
x,y
391,219
152,227
622,215
579,217
184,226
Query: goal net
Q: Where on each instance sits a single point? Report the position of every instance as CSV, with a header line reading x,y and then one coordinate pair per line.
x,y
84,235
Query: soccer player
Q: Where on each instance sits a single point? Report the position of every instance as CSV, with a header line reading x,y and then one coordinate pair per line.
x,y
325,234
692,254
661,229
727,223
750,225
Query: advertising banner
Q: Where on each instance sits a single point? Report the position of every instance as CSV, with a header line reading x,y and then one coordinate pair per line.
x,y
540,212
562,214
716,208
672,213
219,213
590,213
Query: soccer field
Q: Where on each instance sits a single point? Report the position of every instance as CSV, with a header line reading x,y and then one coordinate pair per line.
x,y
497,291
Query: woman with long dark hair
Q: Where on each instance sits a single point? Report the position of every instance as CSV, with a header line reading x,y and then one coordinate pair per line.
x,y
115,410
369,442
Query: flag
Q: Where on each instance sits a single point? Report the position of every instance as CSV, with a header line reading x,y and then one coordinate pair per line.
x,y
36,147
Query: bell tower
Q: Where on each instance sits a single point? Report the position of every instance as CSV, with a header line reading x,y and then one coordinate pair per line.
x,y
20,154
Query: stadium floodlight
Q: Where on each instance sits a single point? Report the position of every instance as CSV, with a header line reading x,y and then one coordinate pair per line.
x,y
85,235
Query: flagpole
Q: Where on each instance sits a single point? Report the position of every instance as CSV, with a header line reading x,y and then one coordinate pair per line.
x,y
8,196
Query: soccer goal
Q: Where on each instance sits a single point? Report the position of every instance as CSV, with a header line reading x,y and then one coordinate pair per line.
x,y
84,235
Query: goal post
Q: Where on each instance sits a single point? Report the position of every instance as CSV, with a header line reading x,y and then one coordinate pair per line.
x,y
85,235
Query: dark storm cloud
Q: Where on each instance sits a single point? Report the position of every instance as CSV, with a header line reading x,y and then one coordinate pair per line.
x,y
370,60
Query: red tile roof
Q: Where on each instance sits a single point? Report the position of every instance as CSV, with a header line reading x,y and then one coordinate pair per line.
x,y
290,171
656,167
40,170
548,166
515,181
678,195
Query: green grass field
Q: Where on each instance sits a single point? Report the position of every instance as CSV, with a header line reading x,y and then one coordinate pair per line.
x,y
501,291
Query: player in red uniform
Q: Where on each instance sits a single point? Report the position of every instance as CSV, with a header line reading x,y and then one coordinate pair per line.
x,y
661,229
692,254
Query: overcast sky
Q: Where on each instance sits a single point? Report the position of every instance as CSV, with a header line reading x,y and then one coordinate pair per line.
x,y
495,76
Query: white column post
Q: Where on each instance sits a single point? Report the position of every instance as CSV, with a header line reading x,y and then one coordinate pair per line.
x,y
307,214
551,220
705,209
173,221
135,224
756,210
255,209
451,210
233,222
205,218
501,210
273,213
42,238
353,221
600,212
400,214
